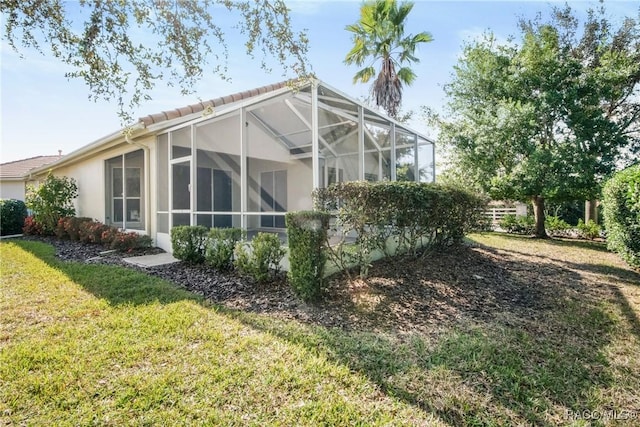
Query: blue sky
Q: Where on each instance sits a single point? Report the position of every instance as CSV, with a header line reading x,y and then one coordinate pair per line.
x,y
43,112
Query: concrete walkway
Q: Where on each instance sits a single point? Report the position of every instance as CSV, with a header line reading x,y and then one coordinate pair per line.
x,y
147,261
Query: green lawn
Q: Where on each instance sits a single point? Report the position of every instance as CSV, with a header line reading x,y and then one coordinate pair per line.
x,y
92,344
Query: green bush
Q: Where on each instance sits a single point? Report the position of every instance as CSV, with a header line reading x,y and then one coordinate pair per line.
x,y
220,245
517,224
259,259
621,200
412,215
307,236
52,200
589,230
12,215
189,243
556,226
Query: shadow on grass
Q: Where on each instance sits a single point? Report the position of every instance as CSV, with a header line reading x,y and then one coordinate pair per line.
x,y
556,241
625,275
514,345
531,351
118,285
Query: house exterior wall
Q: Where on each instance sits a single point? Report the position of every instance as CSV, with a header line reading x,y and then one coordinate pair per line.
x,y
272,137
90,176
12,190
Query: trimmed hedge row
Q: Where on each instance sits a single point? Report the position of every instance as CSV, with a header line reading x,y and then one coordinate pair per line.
x,y
259,258
622,214
189,243
224,248
395,217
12,215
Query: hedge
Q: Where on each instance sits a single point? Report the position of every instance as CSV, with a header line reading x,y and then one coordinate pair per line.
x,y
12,215
189,243
621,200
260,258
220,245
307,236
412,216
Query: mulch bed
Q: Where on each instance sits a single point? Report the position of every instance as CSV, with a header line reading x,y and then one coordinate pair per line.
x,y
401,295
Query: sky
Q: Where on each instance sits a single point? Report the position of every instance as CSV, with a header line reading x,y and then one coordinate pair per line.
x,y
43,112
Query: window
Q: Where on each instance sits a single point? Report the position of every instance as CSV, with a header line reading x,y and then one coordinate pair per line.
x,y
125,202
273,198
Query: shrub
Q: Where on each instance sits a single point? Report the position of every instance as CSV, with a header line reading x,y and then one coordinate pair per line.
x,y
12,215
307,236
32,227
621,200
52,200
259,259
189,243
69,227
109,235
589,230
414,215
220,245
127,241
92,231
556,226
518,224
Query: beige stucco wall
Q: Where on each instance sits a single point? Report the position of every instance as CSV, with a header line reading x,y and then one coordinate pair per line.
x,y
90,176
12,190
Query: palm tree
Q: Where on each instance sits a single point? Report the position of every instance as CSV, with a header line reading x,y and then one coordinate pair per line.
x,y
379,34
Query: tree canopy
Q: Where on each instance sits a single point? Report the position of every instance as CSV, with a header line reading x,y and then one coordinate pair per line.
x,y
379,35
123,49
549,117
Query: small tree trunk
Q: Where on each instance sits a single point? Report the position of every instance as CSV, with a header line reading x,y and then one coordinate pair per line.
x,y
591,211
538,212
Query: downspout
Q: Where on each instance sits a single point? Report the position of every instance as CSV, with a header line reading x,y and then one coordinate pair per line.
x,y
147,174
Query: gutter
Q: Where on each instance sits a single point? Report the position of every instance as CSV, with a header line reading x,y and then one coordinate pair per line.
x,y
127,132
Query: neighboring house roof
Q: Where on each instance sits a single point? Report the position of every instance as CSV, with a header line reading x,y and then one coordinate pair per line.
x,y
18,169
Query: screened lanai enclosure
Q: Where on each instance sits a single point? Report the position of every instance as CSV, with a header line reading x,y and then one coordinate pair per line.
x,y
248,162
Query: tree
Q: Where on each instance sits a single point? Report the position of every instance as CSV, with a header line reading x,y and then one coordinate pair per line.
x,y
548,118
379,35
122,49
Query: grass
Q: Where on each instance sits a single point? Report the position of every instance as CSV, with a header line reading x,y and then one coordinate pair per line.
x,y
92,344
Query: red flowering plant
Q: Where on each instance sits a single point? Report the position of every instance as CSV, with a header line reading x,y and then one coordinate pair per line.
x,y
92,232
32,227
124,241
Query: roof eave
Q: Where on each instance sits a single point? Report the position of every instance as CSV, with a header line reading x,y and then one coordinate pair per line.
x,y
87,150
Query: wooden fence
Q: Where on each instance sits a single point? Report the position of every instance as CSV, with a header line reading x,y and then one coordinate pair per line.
x,y
496,214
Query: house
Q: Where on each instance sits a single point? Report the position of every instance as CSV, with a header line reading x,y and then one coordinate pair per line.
x,y
242,160
14,176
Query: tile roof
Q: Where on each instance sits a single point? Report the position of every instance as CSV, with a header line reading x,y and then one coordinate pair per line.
x,y
201,106
19,168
